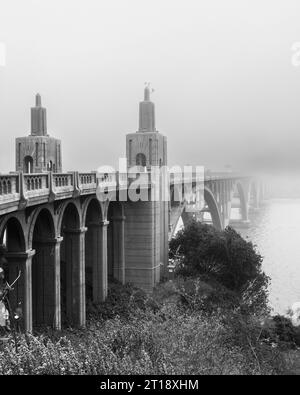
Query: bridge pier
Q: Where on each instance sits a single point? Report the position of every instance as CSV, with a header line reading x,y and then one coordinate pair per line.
x,y
22,295
45,309
96,261
118,223
73,276
142,247
101,283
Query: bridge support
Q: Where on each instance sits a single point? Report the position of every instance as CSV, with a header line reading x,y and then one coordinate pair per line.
x,y
101,280
119,248
22,295
142,249
73,278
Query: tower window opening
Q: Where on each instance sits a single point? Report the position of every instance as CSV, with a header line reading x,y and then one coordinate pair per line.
x,y
141,160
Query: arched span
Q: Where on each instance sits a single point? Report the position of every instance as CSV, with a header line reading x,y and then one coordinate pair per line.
x,y
243,201
33,221
178,212
213,208
92,201
13,230
62,211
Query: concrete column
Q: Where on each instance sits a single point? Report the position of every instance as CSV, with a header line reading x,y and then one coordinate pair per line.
x,y
101,283
57,296
97,245
75,258
21,296
46,283
119,248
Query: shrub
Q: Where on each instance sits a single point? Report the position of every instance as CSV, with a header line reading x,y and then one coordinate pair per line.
x,y
171,342
224,257
121,302
208,297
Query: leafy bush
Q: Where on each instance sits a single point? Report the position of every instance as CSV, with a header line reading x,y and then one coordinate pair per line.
x,y
223,257
203,296
121,302
286,332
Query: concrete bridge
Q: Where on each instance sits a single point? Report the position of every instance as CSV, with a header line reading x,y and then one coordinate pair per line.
x,y
72,233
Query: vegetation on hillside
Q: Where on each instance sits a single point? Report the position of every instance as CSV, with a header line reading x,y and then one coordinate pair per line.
x,y
211,319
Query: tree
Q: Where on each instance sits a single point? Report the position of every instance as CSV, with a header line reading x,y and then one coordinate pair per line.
x,y
224,257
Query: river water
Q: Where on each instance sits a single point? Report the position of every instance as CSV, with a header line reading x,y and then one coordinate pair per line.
x,y
275,230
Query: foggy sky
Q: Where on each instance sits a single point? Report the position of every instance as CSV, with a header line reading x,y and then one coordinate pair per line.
x,y
225,88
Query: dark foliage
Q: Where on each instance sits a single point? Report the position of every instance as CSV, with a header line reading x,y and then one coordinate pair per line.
x,y
285,331
121,302
224,257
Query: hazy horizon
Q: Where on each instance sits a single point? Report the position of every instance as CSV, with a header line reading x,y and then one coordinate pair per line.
x,y
226,91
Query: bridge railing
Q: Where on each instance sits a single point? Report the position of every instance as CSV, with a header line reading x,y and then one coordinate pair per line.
x,y
35,184
63,183
9,187
19,190
87,181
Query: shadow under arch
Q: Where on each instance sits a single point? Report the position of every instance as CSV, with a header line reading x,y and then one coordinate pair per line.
x,y
115,242
93,250
71,268
43,270
12,238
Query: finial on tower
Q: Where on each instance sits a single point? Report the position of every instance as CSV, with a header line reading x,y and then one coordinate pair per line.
x,y
147,91
38,118
147,112
38,100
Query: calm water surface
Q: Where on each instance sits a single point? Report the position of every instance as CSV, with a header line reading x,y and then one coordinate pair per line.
x,y
275,230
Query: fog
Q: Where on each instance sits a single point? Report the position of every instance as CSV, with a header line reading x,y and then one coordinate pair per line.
x,y
226,91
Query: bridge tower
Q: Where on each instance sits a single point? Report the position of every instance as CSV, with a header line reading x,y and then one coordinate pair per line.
x,y
147,147
146,221
38,152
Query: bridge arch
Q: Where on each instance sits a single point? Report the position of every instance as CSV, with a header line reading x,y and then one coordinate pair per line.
x,y
86,206
72,265
180,212
93,221
213,208
12,236
62,210
43,270
33,219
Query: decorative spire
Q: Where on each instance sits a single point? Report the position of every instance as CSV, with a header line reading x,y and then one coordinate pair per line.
x,y
38,100
38,118
147,92
147,112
